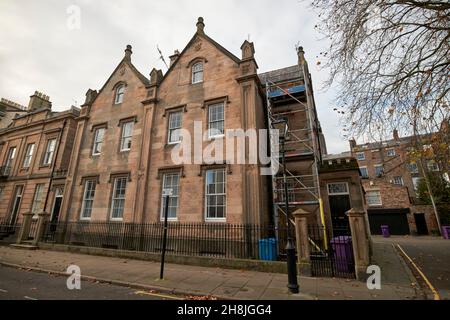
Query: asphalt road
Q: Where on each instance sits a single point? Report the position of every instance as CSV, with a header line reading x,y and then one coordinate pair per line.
x,y
432,256
18,284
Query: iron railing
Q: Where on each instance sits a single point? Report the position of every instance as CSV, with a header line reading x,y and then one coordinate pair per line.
x,y
331,253
5,171
219,240
8,232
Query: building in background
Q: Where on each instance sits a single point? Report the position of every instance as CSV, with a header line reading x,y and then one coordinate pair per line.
x,y
35,150
390,179
9,110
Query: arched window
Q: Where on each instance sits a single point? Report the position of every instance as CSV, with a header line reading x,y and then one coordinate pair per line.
x,y
197,72
120,90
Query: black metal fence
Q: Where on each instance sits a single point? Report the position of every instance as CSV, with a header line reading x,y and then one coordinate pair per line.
x,y
194,239
9,233
331,252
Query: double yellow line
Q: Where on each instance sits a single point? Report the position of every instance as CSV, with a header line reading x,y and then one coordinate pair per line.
x,y
435,293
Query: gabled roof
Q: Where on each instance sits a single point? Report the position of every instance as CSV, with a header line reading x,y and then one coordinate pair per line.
x,y
214,43
126,61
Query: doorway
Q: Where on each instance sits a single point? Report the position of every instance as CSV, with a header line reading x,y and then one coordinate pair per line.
x,y
421,224
56,208
16,205
339,198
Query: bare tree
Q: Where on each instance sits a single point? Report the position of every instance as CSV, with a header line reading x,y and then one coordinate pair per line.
x,y
392,60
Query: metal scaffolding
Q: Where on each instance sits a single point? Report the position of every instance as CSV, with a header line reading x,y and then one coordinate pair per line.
x,y
293,99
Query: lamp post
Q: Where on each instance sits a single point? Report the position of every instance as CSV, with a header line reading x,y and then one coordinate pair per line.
x,y
282,125
167,193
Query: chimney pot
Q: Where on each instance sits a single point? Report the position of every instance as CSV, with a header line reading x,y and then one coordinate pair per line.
x,y
395,134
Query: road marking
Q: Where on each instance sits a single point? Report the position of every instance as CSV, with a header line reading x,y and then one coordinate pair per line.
x,y
158,295
4,291
435,293
29,298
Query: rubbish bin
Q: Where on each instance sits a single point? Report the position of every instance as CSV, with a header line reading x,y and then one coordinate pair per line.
x,y
268,249
385,231
343,253
446,232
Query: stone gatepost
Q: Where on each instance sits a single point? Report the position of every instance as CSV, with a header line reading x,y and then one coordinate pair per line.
x,y
360,242
41,224
301,235
25,228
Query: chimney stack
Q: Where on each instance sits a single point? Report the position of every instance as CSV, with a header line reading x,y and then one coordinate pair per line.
x,y
174,57
39,101
301,55
352,144
395,134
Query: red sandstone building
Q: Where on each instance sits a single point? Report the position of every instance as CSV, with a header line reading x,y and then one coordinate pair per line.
x,y
35,150
123,138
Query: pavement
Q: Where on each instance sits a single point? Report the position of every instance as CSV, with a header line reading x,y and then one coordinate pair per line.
x,y
431,255
19,284
205,281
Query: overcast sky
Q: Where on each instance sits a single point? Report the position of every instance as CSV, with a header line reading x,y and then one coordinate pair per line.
x,y
38,50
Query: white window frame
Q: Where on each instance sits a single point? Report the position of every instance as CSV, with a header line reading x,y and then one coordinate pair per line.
x,y
390,152
29,151
380,203
214,105
432,166
416,170
49,151
395,179
119,94
10,157
123,137
367,172
175,195
197,69
224,194
358,156
97,141
416,182
115,198
37,200
331,193
172,127
90,199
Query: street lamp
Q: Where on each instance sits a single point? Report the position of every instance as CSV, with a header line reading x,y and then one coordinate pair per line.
x,y
283,128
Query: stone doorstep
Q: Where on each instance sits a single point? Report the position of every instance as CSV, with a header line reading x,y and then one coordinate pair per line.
x,y
24,246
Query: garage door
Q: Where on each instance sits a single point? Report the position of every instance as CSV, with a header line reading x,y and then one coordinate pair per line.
x,y
396,219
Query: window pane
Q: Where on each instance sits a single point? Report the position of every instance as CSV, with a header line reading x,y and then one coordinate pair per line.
x,y
364,172
88,201
197,72
171,181
118,199
215,198
175,122
36,207
337,188
127,131
119,94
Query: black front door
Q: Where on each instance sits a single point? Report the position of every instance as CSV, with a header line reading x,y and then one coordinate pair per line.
x,y
16,205
421,224
55,212
339,205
